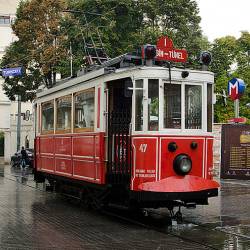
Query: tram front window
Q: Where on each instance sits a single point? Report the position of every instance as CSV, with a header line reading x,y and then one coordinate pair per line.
x,y
193,107
172,106
153,104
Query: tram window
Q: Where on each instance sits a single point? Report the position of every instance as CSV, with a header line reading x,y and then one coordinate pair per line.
x,y
139,105
48,117
193,107
153,104
209,108
84,110
172,106
63,117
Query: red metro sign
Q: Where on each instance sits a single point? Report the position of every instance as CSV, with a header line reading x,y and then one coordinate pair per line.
x,y
165,51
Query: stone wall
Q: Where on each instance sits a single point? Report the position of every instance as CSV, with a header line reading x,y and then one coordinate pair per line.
x,y
217,147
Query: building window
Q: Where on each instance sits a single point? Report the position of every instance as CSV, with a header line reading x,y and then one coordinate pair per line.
x,y
4,20
63,111
84,103
48,117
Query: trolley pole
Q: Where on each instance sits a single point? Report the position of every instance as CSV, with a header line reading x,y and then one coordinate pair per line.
x,y
18,122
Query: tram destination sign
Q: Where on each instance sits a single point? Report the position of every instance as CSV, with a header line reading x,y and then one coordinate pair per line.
x,y
235,151
165,51
12,72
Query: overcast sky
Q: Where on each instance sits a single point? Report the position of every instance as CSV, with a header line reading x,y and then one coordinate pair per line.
x,y
224,17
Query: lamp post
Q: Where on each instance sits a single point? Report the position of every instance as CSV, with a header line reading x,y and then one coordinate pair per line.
x,y
18,134
13,72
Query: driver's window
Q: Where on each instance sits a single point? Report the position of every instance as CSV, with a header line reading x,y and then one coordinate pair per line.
x,y
172,106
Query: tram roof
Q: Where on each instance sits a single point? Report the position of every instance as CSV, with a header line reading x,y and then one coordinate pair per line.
x,y
110,74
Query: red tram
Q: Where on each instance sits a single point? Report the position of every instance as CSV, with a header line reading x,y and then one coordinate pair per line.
x,y
128,134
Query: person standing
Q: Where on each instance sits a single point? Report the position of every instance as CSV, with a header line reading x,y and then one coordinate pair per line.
x,y
24,157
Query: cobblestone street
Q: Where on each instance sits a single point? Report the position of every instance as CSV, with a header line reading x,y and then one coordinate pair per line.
x,y
34,219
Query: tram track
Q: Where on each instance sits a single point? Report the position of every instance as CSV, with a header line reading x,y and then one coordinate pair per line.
x,y
143,220
157,229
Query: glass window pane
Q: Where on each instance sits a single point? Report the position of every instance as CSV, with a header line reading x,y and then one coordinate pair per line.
x,y
63,120
139,105
193,107
209,108
48,116
172,106
153,104
84,109
7,20
4,20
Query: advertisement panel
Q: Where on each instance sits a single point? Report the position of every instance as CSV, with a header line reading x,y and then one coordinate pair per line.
x,y
235,151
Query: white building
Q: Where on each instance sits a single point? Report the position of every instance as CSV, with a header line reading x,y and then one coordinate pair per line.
x,y
8,109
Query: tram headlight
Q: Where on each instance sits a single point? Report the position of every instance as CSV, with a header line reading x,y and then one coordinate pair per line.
x,y
182,164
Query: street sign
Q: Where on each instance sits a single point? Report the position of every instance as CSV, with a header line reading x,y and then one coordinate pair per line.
x,y
12,72
236,88
165,51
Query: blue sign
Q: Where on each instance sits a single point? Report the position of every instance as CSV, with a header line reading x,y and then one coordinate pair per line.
x,y
236,88
12,72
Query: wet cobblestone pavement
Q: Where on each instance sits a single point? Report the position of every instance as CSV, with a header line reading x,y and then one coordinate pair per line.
x,y
33,219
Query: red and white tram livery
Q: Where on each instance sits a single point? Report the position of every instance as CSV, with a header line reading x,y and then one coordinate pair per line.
x,y
139,135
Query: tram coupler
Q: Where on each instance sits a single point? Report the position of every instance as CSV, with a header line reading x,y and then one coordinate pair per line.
x,y
175,217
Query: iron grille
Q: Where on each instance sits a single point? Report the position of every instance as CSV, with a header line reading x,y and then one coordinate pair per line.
x,y
119,147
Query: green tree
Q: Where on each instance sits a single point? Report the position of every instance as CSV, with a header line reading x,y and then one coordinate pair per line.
x,y
231,59
39,48
126,25
45,32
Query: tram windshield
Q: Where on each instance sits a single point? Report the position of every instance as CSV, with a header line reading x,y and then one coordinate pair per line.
x,y
170,105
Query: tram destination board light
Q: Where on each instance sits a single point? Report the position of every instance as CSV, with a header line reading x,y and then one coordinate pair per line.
x,y
205,58
150,51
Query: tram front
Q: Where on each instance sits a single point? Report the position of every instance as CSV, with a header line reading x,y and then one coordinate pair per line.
x,y
172,141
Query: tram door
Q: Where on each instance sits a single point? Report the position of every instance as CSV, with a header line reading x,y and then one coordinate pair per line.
x,y
119,140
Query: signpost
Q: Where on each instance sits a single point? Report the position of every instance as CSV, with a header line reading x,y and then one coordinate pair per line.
x,y
12,72
235,138
15,72
165,51
236,88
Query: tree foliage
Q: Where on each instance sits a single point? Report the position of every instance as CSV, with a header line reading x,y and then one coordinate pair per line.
x,y
126,25
231,58
45,33
39,48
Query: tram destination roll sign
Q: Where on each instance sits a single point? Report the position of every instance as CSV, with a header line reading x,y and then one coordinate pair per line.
x,y
235,151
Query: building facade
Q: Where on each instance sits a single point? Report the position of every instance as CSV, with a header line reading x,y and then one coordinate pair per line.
x,y
8,109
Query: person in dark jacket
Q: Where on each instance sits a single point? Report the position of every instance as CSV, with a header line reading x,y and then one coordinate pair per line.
x,y
24,156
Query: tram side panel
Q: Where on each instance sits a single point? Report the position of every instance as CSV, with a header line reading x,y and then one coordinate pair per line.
x,y
77,156
47,146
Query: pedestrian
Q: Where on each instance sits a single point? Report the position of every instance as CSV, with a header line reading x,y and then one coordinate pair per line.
x,y
24,157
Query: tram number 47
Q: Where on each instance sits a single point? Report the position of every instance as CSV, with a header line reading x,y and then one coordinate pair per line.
x,y
143,148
